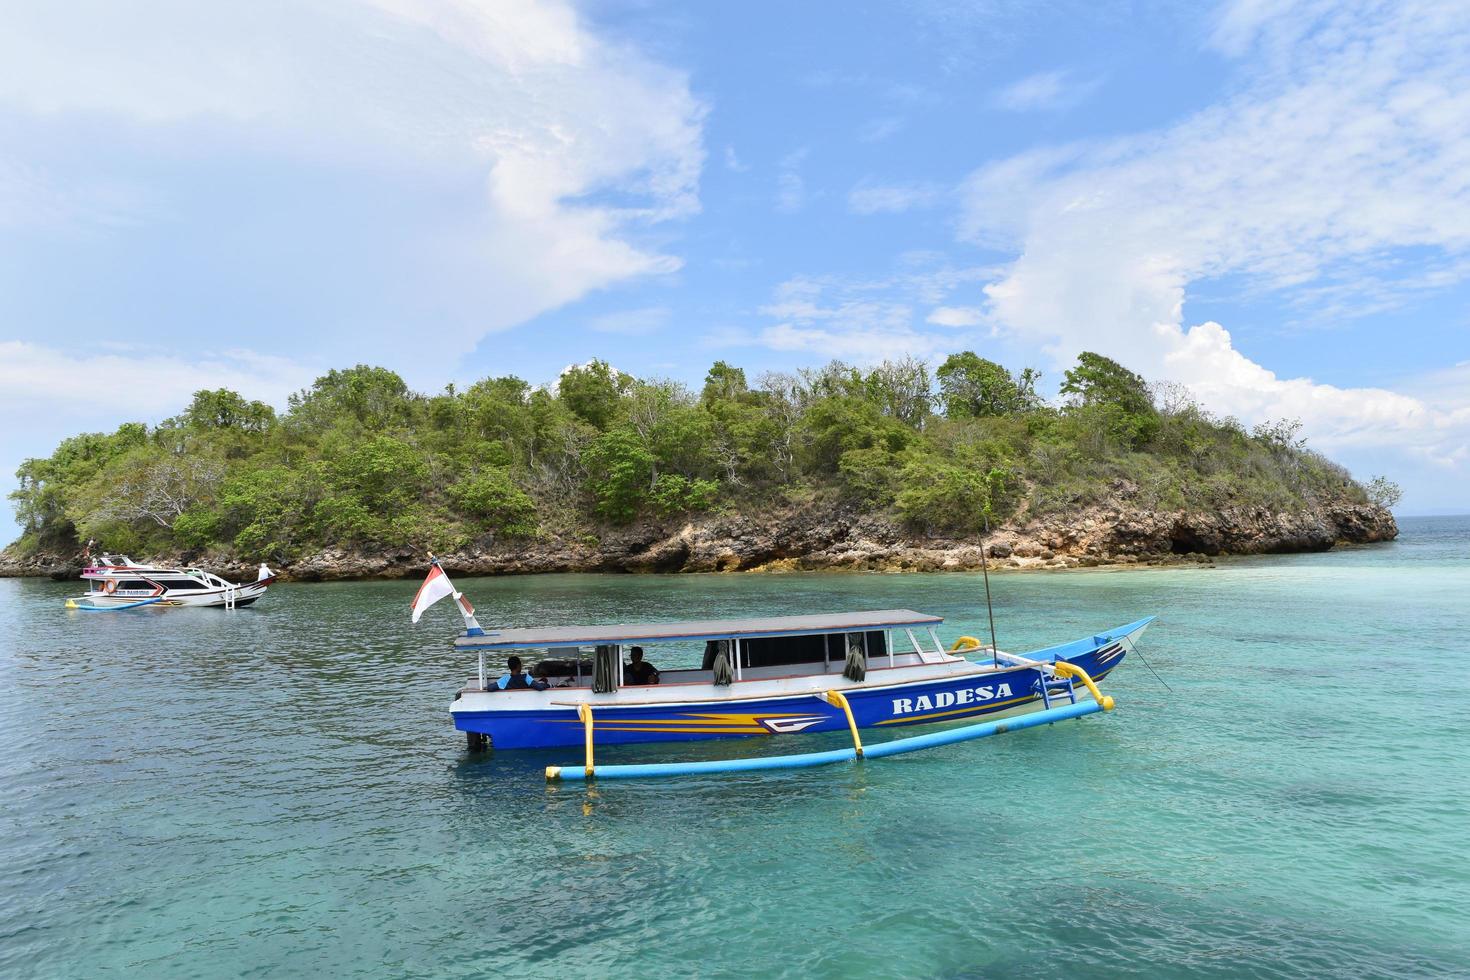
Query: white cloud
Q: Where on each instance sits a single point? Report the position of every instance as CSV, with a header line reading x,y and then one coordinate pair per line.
x,y
523,93
956,316
1351,144
866,320
1048,90
873,198
632,323
124,385
840,319
733,163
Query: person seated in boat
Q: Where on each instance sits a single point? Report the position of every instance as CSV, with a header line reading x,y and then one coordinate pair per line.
x,y
518,681
639,671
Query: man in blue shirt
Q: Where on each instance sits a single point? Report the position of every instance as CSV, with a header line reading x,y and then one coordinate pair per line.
x,y
517,681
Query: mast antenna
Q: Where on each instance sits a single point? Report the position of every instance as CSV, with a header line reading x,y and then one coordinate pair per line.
x,y
985,570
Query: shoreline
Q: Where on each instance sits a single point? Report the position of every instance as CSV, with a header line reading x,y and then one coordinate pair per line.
x,y
825,539
395,573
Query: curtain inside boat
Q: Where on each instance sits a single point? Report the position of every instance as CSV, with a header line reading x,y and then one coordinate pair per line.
x,y
724,673
606,663
857,658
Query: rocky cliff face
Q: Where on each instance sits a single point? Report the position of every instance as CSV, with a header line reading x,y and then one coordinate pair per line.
x,y
835,537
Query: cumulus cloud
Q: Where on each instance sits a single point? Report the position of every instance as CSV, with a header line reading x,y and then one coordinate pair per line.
x,y
1349,147
579,143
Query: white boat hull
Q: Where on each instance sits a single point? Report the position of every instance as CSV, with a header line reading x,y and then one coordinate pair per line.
x,y
237,596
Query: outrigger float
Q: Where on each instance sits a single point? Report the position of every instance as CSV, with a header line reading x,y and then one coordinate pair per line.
x,y
876,670
118,583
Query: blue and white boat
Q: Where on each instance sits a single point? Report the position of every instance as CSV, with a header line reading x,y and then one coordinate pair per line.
x,y
780,675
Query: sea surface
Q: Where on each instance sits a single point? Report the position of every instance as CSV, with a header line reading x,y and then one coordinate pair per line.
x,y
279,792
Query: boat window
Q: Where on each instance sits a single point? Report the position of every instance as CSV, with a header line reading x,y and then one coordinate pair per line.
x,y
777,651
133,583
185,585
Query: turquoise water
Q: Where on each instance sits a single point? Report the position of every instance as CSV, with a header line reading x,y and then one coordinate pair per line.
x,y
278,792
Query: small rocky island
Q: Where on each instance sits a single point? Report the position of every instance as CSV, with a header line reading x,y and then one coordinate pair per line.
x,y
893,468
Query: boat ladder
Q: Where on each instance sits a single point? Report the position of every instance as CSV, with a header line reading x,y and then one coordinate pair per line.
x,y
1055,688
231,594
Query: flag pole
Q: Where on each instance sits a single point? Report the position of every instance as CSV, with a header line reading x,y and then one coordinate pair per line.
x,y
467,611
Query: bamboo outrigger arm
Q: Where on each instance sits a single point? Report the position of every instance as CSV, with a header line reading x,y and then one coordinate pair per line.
x,y
836,698
1063,669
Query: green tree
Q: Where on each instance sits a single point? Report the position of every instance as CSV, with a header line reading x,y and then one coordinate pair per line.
x,y
492,498
1383,492
903,390
675,494
49,498
943,496
1099,380
593,391
972,387
840,423
1120,399
386,474
262,511
870,474
224,409
373,397
723,383
620,474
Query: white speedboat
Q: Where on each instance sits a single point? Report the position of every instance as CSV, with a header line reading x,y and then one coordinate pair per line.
x,y
117,582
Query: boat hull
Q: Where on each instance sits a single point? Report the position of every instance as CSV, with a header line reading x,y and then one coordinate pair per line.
x,y
245,595
986,692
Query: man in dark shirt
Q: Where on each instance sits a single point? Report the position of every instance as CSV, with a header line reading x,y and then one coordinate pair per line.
x,y
639,671
517,681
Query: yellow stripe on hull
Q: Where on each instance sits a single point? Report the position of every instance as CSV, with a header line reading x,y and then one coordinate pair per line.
x,y
958,712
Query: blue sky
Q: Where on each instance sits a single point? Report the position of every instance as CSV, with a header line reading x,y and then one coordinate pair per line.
x,y
1264,200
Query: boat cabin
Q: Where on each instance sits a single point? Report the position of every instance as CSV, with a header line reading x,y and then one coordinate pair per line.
x,y
121,576
726,651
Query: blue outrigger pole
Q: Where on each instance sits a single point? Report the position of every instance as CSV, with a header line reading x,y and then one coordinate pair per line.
x,y
73,604
810,759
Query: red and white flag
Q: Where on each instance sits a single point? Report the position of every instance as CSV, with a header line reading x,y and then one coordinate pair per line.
x,y
435,587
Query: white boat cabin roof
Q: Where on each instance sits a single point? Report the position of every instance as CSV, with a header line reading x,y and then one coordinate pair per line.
x,y
709,629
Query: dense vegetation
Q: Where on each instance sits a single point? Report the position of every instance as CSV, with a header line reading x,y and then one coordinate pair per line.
x,y
360,461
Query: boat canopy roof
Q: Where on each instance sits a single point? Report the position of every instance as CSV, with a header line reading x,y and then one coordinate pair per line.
x,y
709,629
